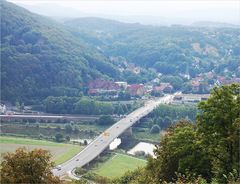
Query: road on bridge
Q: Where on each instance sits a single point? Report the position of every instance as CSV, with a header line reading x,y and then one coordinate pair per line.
x,y
99,144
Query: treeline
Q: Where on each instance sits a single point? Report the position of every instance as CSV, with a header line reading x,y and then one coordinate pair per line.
x,y
205,152
165,116
81,105
175,112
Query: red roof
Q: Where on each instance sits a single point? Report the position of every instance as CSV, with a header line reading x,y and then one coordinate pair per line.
x,y
195,83
162,87
103,84
136,89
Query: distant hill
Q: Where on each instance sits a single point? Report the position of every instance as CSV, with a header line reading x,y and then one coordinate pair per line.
x,y
214,24
40,57
100,24
170,50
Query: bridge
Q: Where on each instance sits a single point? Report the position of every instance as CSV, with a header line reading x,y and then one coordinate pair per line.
x,y
99,144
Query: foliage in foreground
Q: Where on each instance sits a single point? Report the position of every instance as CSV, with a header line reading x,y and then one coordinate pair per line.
x,y
205,152
28,167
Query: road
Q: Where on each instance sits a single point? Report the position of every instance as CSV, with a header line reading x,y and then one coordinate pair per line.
x,y
99,144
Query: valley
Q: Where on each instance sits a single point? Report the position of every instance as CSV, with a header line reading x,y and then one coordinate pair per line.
x,y
94,100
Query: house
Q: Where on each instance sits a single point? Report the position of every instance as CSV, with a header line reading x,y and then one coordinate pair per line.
x,y
190,98
236,80
134,69
2,109
122,84
136,89
224,81
103,84
100,86
92,92
210,75
195,86
163,88
156,81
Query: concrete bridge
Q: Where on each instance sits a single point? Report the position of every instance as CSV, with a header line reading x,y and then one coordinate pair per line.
x,y
99,144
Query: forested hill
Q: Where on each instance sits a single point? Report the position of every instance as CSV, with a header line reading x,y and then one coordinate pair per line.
x,y
40,57
170,50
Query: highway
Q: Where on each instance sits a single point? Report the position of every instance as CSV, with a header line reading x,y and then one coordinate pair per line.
x,y
99,144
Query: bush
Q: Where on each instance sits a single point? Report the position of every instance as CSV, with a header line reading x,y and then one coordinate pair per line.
x,y
76,129
80,171
155,129
105,120
97,178
59,137
67,138
85,142
68,128
166,122
139,153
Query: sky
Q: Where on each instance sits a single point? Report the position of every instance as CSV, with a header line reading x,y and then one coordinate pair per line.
x,y
173,10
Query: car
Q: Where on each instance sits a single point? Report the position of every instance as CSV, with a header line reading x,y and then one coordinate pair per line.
x,y
58,167
77,160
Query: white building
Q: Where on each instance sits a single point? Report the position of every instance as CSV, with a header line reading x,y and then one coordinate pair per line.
x,y
122,84
2,109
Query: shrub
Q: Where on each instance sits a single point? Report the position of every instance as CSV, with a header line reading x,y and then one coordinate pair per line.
x,y
80,171
105,120
139,153
59,137
68,128
85,142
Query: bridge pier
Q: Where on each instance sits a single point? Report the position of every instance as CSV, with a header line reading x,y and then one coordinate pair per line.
x,y
128,132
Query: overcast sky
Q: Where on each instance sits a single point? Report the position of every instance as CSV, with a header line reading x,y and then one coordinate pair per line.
x,y
191,10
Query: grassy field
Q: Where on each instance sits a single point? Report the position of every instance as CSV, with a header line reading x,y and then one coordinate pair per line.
x,y
146,136
117,165
60,152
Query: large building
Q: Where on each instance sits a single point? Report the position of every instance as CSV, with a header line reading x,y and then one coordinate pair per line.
x,y
190,98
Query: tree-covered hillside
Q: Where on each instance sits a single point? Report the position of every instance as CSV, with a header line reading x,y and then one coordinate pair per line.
x,y
40,57
170,50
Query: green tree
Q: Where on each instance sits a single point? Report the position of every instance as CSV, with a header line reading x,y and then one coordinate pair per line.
x,y
105,120
219,128
28,167
76,129
68,138
166,122
59,137
179,152
68,128
175,81
85,142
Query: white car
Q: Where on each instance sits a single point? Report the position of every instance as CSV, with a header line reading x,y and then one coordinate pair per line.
x,y
59,167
